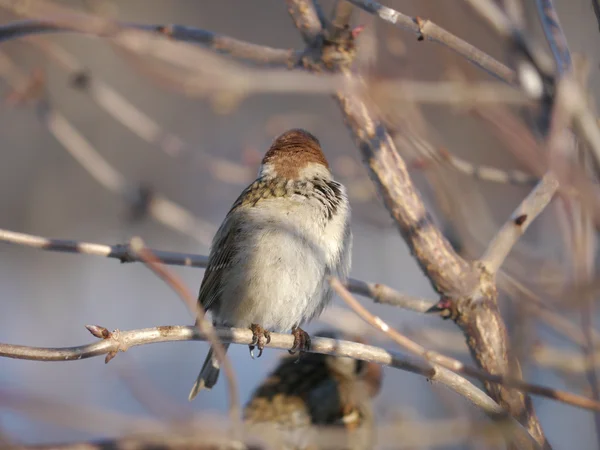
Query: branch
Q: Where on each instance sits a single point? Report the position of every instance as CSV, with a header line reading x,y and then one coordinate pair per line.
x,y
123,252
468,296
518,223
141,200
424,28
306,19
258,54
138,121
446,269
189,68
123,340
454,364
205,327
554,35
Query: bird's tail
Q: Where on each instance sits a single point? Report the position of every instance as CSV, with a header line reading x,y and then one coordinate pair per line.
x,y
208,375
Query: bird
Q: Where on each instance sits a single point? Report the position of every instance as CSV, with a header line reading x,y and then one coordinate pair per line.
x,y
318,393
270,261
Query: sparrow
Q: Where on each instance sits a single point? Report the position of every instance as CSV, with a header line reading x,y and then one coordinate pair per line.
x,y
271,258
318,393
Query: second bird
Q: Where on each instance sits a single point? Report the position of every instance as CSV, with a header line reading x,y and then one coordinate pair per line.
x,y
270,260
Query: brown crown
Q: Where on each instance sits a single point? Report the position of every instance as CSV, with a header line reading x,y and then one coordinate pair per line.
x,y
292,151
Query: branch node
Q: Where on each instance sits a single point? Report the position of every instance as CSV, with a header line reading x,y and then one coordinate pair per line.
x,y
166,30
99,332
421,24
140,201
80,80
109,356
116,337
520,220
446,308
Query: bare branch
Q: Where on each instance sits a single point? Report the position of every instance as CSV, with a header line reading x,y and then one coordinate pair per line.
x,y
381,293
447,271
424,28
124,340
456,365
205,327
554,35
468,296
306,19
121,252
518,223
163,210
258,54
378,292
138,121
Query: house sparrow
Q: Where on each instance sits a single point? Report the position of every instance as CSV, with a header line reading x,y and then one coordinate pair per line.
x,y
318,399
271,257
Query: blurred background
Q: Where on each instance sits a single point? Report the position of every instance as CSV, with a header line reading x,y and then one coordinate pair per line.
x,y
208,156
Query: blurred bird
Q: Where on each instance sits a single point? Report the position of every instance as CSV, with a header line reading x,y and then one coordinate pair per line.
x,y
303,398
271,257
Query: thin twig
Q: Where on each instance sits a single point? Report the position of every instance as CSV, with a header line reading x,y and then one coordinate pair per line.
x,y
380,293
156,205
205,327
426,29
258,54
554,35
448,272
138,121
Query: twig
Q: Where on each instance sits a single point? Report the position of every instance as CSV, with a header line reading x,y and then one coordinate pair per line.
x,y
190,68
453,93
518,223
121,252
456,365
383,294
554,35
137,121
205,327
306,20
160,208
196,432
426,29
378,292
124,340
157,206
258,54
476,171
404,434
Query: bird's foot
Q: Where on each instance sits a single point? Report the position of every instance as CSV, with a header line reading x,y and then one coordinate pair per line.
x,y
301,341
260,338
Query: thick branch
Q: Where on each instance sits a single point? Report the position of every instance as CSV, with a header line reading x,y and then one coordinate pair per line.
x,y
467,293
447,271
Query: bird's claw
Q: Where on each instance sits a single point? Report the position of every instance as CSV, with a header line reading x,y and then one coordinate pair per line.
x,y
301,341
260,338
